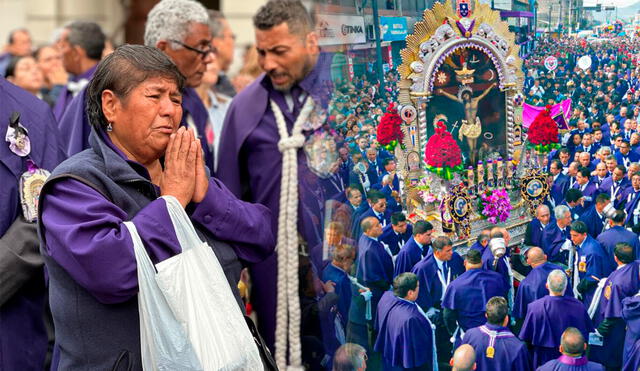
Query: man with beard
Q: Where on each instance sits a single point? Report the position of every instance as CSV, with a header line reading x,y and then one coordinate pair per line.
x,y
261,153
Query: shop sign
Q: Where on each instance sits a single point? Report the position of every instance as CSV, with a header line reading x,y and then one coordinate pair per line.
x,y
393,28
340,29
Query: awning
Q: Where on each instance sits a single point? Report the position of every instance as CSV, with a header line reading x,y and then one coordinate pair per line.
x,y
515,14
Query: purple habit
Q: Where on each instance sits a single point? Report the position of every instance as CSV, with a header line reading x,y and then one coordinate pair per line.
x,y
552,240
596,264
566,363
410,254
23,337
431,290
66,96
631,314
374,268
546,320
532,288
405,336
509,352
469,293
250,165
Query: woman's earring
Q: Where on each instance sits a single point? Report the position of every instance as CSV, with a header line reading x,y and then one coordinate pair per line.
x,y
109,127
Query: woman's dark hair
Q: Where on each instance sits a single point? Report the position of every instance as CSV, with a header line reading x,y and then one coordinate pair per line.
x,y
11,67
123,70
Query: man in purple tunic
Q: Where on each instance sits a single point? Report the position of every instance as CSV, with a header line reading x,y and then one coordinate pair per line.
x,y
336,272
482,241
497,348
590,263
405,335
533,286
251,163
556,237
191,54
415,249
23,338
374,270
397,233
435,273
81,44
549,316
533,234
631,315
572,347
621,283
615,234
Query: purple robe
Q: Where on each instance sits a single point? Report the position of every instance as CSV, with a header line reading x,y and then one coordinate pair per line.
x,y
469,293
500,266
405,338
343,289
250,165
614,189
593,265
631,314
566,363
612,236
394,240
431,289
546,320
622,283
509,352
374,268
410,254
552,240
533,234
66,96
532,288
23,337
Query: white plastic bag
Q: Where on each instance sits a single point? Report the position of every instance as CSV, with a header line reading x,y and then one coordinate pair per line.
x,y
164,345
198,292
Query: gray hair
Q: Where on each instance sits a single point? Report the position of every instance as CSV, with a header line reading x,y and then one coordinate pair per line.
x,y
123,70
604,149
560,211
216,23
88,36
349,357
171,19
557,281
542,207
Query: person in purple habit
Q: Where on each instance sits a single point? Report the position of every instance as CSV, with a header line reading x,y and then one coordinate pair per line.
x,y
556,236
631,315
572,347
180,29
615,234
482,241
533,234
497,348
406,338
533,286
137,154
549,316
251,162
464,358
465,299
622,283
81,44
415,249
32,147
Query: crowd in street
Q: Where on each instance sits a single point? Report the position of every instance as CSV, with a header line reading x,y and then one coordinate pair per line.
x,y
98,138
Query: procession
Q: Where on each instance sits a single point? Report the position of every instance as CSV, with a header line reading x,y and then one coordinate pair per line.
x,y
460,192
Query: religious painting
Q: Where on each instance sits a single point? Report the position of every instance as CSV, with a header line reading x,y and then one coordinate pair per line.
x,y
466,91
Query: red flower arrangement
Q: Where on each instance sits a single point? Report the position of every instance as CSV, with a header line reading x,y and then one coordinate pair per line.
x,y
389,132
442,154
543,132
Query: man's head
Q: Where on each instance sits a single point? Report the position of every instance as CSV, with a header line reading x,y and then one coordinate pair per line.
x,y
601,170
405,286
81,44
536,257
464,358
497,311
572,343
399,222
501,232
563,215
350,357
602,200
377,200
19,43
422,231
623,253
587,139
573,168
573,197
624,147
286,42
557,282
564,155
578,232
389,165
223,39
583,175
473,259
635,181
372,154
442,248
484,237
355,196
180,29
633,168
618,173
584,159
543,214
555,167
371,227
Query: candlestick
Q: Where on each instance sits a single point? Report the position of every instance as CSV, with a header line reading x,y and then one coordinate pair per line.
x,y
480,175
489,173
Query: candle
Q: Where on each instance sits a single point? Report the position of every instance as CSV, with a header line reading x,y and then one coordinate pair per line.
x,y
489,173
510,168
499,169
480,172
470,176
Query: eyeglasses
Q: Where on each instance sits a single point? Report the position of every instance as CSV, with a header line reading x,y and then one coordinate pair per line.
x,y
203,52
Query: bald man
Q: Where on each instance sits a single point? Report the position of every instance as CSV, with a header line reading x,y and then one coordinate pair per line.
x,y
533,235
572,347
533,286
464,358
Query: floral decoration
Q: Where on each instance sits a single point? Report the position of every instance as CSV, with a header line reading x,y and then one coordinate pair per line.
x,y
543,132
389,132
442,153
494,205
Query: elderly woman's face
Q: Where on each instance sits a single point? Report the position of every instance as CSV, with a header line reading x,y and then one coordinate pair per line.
x,y
144,121
28,75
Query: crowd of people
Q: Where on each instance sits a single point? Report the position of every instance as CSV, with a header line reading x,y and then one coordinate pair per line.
x,y
98,136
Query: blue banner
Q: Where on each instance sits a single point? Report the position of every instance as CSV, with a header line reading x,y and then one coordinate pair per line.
x,y
393,28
